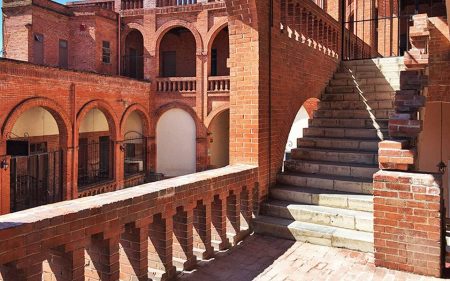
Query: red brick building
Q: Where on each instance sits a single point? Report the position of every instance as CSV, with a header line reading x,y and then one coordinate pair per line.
x,y
98,96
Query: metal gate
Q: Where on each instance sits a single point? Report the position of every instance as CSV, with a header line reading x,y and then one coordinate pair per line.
x,y
36,180
379,28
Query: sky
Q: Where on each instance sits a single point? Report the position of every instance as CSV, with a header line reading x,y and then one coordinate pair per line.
x,y
1,19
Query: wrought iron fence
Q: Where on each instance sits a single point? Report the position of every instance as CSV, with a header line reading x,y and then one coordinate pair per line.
x,y
371,31
36,180
95,162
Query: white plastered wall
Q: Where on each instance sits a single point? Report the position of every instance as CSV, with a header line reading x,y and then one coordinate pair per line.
x,y
220,135
176,143
35,122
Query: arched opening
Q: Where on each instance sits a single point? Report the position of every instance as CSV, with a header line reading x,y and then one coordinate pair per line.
x,y
134,146
300,122
36,160
133,59
219,140
95,150
176,143
177,53
219,54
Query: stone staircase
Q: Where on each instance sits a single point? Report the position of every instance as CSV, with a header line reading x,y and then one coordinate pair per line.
x,y
324,196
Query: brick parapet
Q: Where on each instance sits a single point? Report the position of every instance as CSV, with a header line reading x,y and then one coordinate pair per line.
x,y
102,219
408,222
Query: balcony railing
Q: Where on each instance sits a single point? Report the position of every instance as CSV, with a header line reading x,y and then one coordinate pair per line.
x,y
176,85
136,233
218,84
132,4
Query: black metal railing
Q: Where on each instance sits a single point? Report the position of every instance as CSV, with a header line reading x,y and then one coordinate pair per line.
x,y
371,31
135,160
36,180
95,162
133,66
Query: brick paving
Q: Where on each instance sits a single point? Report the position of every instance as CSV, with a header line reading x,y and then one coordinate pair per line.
x,y
267,258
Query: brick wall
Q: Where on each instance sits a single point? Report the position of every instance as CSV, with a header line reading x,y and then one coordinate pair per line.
x,y
258,127
408,222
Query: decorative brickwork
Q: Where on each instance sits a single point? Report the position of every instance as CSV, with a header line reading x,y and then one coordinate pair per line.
x,y
408,222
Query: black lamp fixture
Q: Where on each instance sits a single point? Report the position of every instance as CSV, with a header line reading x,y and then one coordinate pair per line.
x,y
4,165
442,167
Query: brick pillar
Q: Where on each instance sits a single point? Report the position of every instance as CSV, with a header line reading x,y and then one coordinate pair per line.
x,y
408,222
183,253
5,198
160,247
219,223
233,218
246,209
134,253
24,271
202,230
118,166
102,258
64,266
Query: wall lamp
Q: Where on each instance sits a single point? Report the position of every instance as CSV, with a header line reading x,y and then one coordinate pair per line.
x,y
442,167
4,165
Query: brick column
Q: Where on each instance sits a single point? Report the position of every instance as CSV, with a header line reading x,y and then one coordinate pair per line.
x,y
118,166
219,223
202,230
233,218
408,222
246,208
5,198
27,270
183,253
160,247
102,258
134,253
65,266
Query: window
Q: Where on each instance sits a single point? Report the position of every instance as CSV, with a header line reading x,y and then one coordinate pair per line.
x,y
38,48
37,148
63,54
106,52
169,66
214,62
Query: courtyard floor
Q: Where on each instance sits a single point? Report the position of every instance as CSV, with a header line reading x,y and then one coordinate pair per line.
x,y
267,258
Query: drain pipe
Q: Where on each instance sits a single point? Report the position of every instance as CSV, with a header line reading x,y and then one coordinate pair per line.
x,y
270,89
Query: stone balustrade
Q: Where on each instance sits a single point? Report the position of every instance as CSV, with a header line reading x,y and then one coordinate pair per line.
x,y
134,234
219,84
176,85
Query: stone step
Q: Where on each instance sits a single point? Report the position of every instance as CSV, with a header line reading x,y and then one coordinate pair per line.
x,y
355,181
329,216
315,234
342,156
360,104
330,132
361,89
349,123
376,61
366,96
351,80
358,114
323,197
335,143
346,74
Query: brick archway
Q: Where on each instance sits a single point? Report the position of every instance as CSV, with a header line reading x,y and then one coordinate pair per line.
x,y
107,110
214,113
58,113
212,33
129,27
200,128
144,117
178,23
